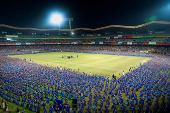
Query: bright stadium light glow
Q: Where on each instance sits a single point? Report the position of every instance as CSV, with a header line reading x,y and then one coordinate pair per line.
x,y
56,19
72,33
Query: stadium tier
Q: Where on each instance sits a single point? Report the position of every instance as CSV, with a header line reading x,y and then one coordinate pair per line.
x,y
87,48
152,33
107,40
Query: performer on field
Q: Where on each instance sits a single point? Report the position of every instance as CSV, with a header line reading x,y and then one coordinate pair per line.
x,y
113,76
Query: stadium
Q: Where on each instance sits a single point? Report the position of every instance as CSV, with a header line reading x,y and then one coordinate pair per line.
x,y
85,72
109,57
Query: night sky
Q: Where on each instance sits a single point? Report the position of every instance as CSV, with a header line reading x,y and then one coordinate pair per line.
x,y
86,13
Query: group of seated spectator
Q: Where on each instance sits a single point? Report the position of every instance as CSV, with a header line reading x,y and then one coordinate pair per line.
x,y
51,40
85,40
91,48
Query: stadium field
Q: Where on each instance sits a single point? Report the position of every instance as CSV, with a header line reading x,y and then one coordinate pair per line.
x,y
98,64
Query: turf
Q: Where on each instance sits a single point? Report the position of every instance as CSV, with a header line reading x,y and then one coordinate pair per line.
x,y
98,64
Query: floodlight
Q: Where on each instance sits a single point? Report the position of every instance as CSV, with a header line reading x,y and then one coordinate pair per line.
x,y
72,33
56,19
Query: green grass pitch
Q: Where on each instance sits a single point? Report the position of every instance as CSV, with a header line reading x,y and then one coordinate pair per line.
x,y
98,64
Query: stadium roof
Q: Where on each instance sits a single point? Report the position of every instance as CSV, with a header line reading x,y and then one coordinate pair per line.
x,y
113,29
96,29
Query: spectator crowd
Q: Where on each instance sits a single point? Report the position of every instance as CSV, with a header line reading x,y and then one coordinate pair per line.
x,y
39,87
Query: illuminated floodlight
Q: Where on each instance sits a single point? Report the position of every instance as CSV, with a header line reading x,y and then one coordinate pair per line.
x,y
72,33
56,19
8,39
